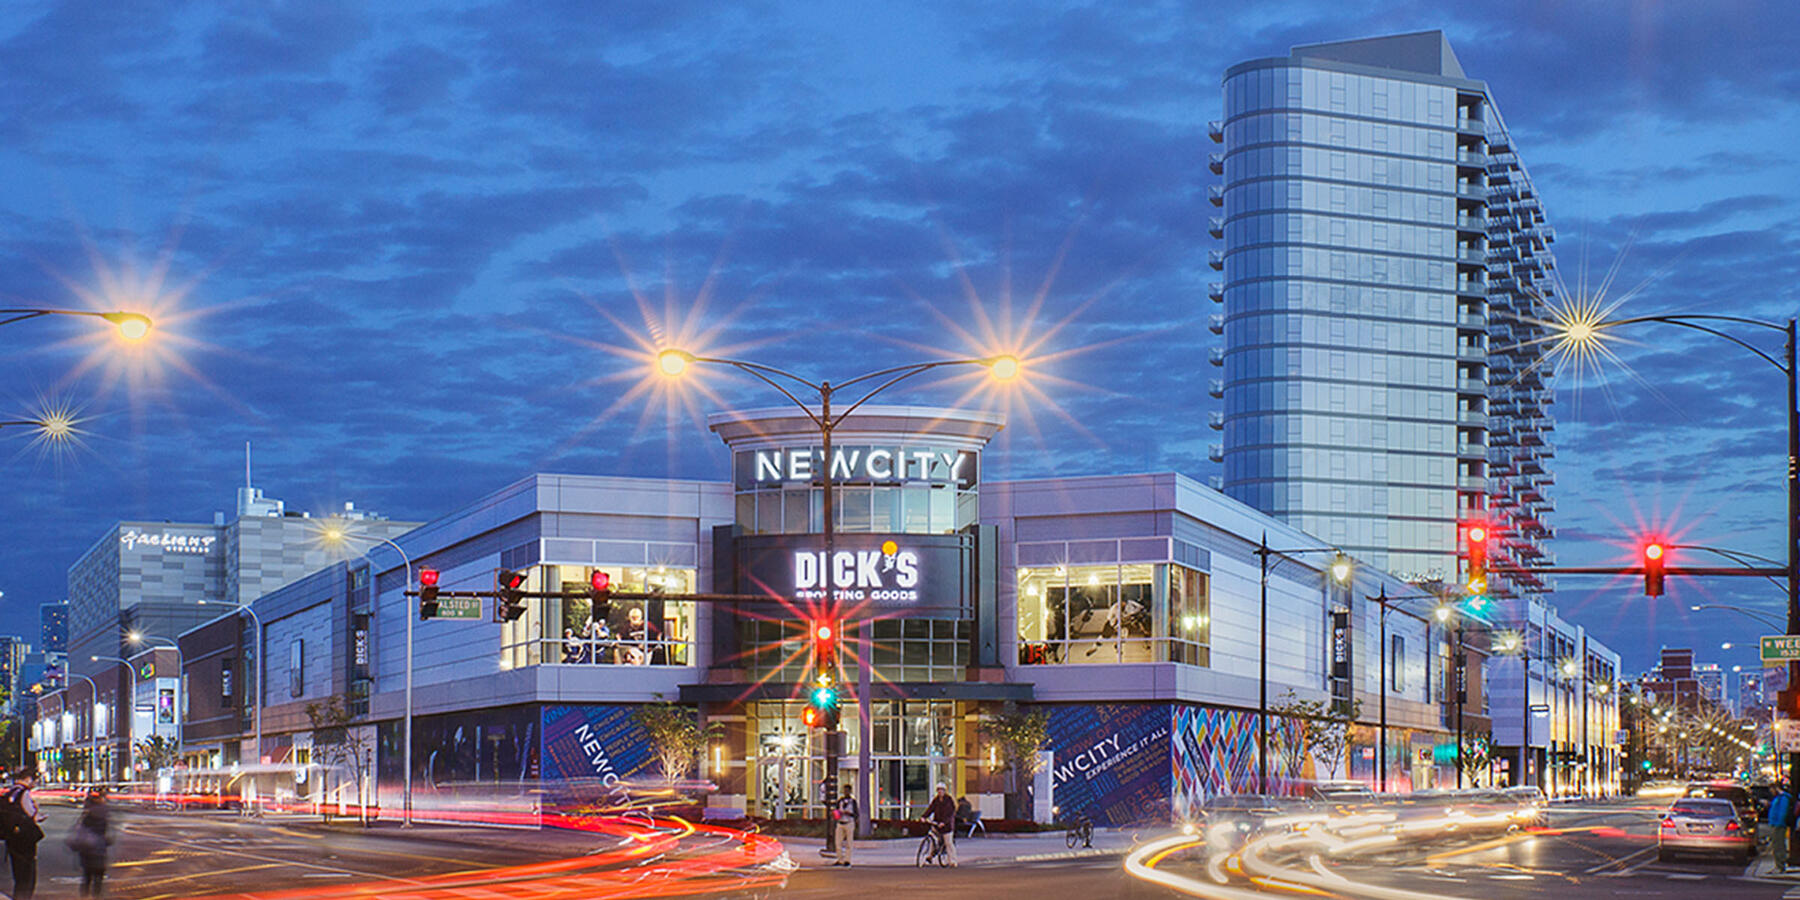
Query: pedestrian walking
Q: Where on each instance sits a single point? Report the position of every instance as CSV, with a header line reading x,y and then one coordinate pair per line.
x,y
1781,819
89,839
845,818
942,816
19,823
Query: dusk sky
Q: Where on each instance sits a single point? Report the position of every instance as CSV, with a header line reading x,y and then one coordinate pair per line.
x,y
411,252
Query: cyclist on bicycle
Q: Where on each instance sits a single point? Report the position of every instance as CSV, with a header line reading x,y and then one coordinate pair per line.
x,y
941,815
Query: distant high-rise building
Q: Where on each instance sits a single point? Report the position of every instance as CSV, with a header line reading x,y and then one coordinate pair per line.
x,y
13,651
53,627
151,578
1711,681
1386,271
1755,693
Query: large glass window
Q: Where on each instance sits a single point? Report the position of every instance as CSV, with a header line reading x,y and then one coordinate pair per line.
x,y
914,746
882,509
904,650
1114,614
569,631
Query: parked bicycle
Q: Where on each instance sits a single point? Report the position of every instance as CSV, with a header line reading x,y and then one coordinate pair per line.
x,y
931,848
1082,832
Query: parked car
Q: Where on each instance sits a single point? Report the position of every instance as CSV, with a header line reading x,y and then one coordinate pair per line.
x,y
1705,825
1728,790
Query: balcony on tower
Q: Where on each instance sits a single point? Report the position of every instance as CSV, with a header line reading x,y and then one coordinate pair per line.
x,y
1216,259
1216,194
1216,292
1216,130
1215,388
1215,226
1215,420
1215,323
1216,162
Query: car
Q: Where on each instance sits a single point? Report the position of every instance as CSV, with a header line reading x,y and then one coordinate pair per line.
x,y
1528,803
1231,819
1703,824
1727,790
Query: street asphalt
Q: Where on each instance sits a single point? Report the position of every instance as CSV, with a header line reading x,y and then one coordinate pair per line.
x,y
1596,850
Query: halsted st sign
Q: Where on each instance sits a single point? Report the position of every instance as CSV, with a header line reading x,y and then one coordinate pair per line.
x,y
888,573
859,465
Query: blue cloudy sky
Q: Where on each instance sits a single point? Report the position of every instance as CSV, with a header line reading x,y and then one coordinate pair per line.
x,y
406,249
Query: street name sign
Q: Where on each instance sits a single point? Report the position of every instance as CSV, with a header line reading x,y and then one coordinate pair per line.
x,y
1780,648
459,608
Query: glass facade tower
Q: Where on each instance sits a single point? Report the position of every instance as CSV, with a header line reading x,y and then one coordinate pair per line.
x,y
1369,290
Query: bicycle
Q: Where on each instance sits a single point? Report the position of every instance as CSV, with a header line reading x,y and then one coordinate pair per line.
x,y
931,849
1082,832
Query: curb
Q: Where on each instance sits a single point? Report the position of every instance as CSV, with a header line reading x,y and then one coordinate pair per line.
x,y
1094,853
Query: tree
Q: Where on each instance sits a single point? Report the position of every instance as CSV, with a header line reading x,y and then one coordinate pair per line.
x,y
1018,736
157,752
1476,756
1324,726
676,736
338,744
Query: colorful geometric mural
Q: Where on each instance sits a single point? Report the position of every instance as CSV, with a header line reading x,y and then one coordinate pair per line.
x,y
1214,752
1111,762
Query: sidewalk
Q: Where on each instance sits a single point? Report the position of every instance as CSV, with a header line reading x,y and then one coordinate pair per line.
x,y
993,850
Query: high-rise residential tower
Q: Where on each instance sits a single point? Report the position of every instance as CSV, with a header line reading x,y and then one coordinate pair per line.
x,y
1385,264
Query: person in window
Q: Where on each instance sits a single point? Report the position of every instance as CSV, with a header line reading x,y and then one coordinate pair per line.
x,y
575,649
642,637
598,636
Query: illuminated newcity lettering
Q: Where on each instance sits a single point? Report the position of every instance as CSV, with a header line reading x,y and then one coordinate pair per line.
x,y
886,574
889,464
168,542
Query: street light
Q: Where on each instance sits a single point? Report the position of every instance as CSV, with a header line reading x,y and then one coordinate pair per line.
x,y
1581,332
338,534
132,326
257,654
1764,618
1387,605
1340,570
138,637
674,362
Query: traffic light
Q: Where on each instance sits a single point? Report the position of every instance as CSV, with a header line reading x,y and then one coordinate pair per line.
x,y
822,708
599,596
1477,536
428,593
822,701
510,605
825,646
1653,569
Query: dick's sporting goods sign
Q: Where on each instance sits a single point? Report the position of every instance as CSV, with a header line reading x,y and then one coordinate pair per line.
x,y
908,571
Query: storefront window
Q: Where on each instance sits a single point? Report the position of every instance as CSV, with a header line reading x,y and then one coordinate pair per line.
x,y
1113,614
883,509
913,749
905,650
653,632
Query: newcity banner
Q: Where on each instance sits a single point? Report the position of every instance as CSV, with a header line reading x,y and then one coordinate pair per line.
x,y
915,572
1111,762
592,755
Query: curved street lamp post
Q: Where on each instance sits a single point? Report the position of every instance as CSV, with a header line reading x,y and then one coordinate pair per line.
x,y
257,654
1589,332
132,326
340,535
1340,571
674,362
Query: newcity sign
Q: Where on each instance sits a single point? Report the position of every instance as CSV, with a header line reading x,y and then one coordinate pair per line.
x,y
859,464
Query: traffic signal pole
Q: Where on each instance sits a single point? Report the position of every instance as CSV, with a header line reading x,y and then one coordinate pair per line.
x,y
1793,532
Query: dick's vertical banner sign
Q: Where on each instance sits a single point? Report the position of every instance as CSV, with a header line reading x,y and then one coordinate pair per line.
x,y
1340,654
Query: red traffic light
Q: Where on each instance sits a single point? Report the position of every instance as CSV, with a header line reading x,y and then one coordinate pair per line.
x,y
508,580
428,577
812,717
822,631
600,581
1653,569
1477,534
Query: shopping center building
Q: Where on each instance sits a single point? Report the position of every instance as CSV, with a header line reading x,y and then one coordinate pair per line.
x,y
1128,607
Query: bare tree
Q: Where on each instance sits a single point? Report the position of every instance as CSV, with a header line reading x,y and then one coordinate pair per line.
x,y
1324,726
338,743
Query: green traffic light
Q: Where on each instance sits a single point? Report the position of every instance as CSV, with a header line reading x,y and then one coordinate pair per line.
x,y
824,698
